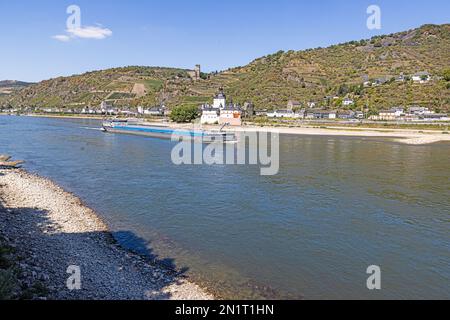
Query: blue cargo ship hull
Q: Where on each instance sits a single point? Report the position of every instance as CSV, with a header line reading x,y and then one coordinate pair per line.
x,y
167,133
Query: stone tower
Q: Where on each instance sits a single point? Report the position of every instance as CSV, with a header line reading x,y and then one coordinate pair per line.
x,y
197,72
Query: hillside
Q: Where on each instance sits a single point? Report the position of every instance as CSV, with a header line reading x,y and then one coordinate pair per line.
x,y
269,82
129,85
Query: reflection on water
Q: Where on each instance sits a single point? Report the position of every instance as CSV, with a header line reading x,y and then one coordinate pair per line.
x,y
337,206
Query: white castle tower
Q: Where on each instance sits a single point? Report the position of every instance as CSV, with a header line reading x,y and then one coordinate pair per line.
x,y
220,100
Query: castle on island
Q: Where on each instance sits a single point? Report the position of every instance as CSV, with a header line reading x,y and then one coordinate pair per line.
x,y
221,113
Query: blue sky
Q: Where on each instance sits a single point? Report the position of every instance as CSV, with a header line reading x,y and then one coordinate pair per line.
x,y
182,33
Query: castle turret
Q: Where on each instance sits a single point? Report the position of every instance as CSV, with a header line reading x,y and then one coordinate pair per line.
x,y
220,100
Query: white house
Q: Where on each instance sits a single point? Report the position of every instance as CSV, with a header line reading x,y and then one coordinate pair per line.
x,y
398,112
359,115
421,77
321,114
283,114
417,110
348,102
155,111
389,115
210,115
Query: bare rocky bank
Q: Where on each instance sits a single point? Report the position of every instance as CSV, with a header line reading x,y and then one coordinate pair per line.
x,y
48,229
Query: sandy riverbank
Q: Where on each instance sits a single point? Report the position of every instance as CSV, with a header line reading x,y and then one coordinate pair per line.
x,y
50,229
412,137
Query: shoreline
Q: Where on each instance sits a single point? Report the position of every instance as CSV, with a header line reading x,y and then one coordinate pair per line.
x,y
50,229
405,136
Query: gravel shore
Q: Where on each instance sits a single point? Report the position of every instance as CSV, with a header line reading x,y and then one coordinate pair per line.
x,y
50,229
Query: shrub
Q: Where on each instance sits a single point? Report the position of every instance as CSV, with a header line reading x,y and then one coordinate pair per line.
x,y
446,74
184,113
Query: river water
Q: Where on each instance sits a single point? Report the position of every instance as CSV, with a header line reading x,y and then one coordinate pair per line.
x,y
337,206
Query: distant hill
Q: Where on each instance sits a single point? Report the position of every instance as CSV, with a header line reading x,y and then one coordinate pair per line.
x,y
14,84
269,82
10,86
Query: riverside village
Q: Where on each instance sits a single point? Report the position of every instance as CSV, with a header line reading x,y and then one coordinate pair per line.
x,y
222,111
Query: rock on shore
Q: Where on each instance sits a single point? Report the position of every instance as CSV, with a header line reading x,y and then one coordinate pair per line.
x,y
50,230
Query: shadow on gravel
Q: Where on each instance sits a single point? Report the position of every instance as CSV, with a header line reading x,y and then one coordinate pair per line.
x,y
43,254
141,247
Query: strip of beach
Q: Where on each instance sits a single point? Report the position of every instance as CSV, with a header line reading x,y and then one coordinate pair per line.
x,y
45,231
405,136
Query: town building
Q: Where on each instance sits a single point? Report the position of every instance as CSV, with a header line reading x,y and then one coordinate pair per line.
x,y
346,114
220,112
418,110
210,115
284,114
321,114
421,77
311,104
387,115
105,105
292,105
400,78
261,113
348,102
231,115
435,117
154,112
220,100
359,115
248,110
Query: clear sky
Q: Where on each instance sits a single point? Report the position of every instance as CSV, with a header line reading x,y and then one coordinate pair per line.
x,y
35,44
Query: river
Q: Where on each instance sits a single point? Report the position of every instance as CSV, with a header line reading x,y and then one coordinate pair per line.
x,y
337,206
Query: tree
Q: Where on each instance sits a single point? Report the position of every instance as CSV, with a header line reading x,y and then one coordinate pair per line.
x,y
184,113
446,74
343,89
339,102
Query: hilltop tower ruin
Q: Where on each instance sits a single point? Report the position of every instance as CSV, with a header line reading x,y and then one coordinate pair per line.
x,y
196,73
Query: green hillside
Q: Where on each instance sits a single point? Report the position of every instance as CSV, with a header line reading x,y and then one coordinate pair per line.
x,y
123,86
340,70
269,82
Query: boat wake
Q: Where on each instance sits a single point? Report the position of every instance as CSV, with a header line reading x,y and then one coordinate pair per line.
x,y
96,129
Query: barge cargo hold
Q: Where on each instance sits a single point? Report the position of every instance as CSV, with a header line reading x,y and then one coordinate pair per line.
x,y
166,132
